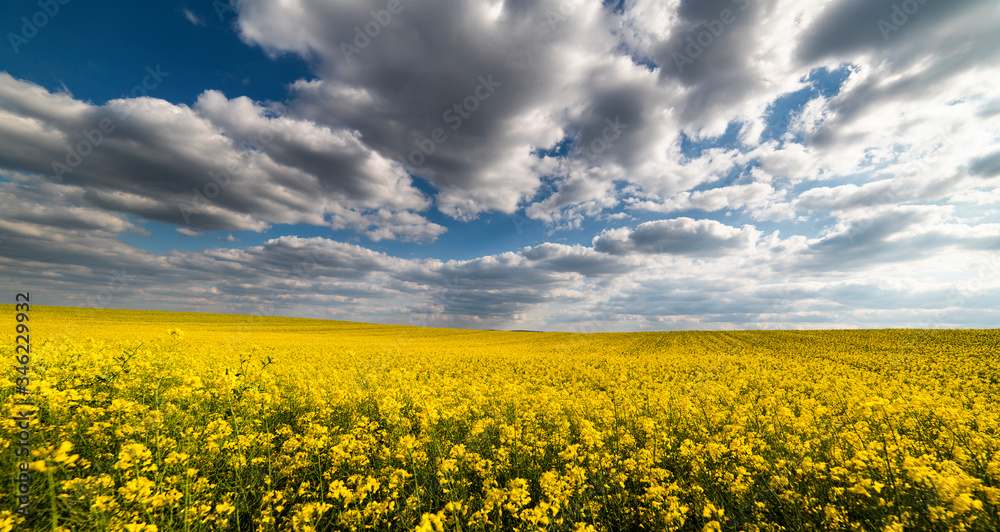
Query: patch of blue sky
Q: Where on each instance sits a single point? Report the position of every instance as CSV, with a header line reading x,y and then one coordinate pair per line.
x,y
693,148
492,234
164,237
737,175
194,58
559,149
986,213
615,6
423,185
828,81
646,62
823,82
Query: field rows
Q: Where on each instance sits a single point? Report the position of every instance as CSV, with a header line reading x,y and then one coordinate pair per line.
x,y
161,421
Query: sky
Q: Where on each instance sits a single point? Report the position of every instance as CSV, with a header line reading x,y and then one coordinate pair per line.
x,y
523,164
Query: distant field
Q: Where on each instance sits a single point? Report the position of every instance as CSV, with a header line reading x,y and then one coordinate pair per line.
x,y
178,421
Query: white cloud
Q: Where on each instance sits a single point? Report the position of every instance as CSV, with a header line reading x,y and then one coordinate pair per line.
x,y
193,18
222,165
188,232
884,191
679,236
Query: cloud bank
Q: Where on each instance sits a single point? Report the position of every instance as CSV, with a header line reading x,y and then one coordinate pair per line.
x,y
713,164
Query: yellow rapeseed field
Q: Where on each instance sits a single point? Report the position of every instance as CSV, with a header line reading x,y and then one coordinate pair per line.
x,y
152,421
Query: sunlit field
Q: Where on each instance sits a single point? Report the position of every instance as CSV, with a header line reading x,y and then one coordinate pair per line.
x,y
150,421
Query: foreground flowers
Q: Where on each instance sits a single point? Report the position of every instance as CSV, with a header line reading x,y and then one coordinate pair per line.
x,y
389,428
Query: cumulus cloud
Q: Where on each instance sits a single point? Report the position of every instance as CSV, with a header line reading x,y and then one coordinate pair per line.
x,y
897,234
669,274
555,79
679,236
849,145
221,165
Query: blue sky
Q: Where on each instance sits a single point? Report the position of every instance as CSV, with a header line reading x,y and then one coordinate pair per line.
x,y
100,50
574,165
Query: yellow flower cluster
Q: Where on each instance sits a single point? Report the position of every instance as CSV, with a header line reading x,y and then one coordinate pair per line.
x,y
307,425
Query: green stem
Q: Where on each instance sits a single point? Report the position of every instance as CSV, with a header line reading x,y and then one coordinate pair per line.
x,y
52,498
187,500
